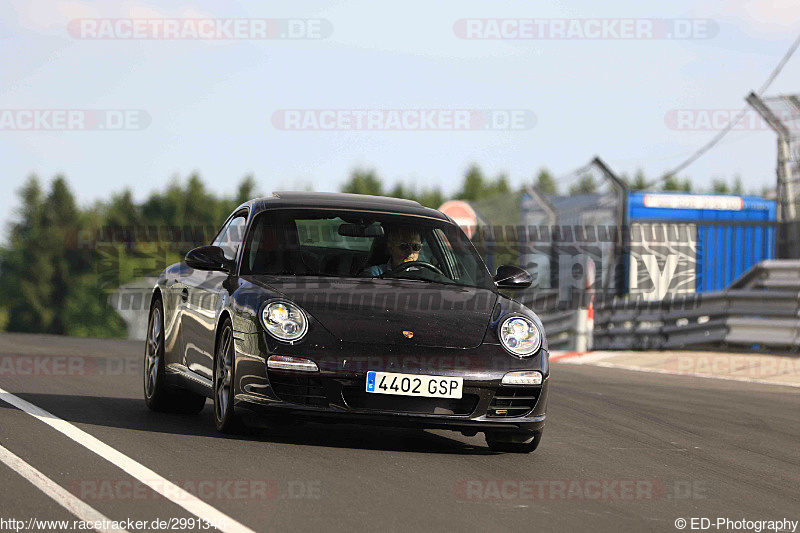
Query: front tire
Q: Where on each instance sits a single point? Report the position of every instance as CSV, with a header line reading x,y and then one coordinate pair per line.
x,y
514,442
224,414
157,395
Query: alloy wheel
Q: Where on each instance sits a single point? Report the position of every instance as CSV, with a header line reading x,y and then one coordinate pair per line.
x,y
152,354
222,383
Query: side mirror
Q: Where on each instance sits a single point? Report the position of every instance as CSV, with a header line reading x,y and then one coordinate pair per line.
x,y
512,278
209,258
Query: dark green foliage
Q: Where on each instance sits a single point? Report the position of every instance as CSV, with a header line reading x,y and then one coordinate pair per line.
x,y
367,182
639,181
545,182
48,282
671,183
585,185
720,186
738,188
53,283
364,182
476,187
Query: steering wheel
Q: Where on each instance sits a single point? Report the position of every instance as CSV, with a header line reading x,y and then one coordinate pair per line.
x,y
408,264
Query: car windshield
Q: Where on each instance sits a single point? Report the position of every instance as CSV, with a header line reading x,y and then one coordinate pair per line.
x,y
341,243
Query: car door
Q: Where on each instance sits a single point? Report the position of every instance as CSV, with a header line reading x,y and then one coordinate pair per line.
x,y
202,294
172,299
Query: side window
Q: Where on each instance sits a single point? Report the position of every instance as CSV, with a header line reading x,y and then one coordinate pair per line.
x,y
264,250
448,254
221,235
256,246
230,238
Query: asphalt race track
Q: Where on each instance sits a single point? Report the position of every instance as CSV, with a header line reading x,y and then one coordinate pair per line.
x,y
622,451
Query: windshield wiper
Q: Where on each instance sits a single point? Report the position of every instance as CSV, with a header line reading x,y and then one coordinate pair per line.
x,y
304,275
424,280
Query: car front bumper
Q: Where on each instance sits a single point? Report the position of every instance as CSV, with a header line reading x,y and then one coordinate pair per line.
x,y
337,392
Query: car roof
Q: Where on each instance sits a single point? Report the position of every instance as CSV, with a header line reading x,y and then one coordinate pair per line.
x,y
344,201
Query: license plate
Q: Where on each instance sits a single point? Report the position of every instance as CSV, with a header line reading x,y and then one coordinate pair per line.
x,y
414,385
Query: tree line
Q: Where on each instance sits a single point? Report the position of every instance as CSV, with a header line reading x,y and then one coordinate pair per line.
x,y
52,283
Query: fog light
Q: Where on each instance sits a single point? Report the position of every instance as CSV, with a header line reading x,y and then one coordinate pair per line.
x,y
523,377
284,362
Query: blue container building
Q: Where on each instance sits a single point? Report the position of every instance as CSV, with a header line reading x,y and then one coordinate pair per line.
x,y
698,242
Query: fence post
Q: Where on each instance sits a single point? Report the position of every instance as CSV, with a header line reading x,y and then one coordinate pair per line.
x,y
582,331
590,327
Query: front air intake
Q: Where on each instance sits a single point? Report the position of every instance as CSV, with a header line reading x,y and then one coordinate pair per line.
x,y
512,402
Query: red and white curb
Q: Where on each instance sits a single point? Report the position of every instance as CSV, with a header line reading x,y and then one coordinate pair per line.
x,y
559,355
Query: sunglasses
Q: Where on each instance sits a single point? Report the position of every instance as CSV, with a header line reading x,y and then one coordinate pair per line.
x,y
409,246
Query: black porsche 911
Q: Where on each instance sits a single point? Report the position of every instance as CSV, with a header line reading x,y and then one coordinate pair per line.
x,y
348,308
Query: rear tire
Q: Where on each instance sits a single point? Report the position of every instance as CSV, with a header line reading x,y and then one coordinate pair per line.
x,y
157,394
224,379
514,442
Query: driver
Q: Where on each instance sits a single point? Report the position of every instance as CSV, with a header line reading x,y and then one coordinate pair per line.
x,y
403,244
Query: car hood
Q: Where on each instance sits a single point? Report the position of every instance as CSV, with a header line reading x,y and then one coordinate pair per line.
x,y
391,311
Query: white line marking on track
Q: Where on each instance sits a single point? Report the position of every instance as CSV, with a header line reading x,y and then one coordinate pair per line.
x,y
52,489
159,484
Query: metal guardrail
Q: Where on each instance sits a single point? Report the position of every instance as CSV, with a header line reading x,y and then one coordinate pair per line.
x,y
560,329
761,309
560,325
780,274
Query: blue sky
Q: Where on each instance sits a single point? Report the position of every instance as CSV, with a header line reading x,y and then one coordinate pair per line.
x,y
211,103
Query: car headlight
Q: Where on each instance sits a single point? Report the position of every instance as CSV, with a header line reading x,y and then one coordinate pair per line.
x,y
284,321
520,336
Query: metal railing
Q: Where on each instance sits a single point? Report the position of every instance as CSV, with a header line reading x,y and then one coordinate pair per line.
x,y
560,329
560,323
779,274
760,310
